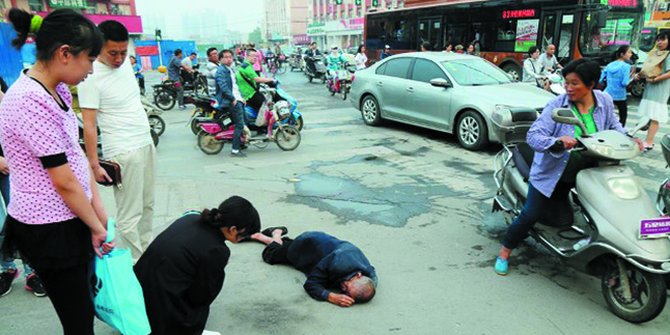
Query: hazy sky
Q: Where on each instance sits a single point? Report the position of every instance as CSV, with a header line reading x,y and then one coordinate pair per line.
x,y
240,15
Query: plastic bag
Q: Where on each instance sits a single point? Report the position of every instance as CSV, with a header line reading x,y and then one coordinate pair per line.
x,y
117,295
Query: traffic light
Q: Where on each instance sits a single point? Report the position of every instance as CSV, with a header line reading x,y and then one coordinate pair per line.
x,y
358,2
338,2
375,3
158,35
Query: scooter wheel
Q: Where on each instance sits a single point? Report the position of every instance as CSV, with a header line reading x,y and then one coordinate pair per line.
x,y
648,293
157,124
332,92
344,94
209,144
309,78
287,137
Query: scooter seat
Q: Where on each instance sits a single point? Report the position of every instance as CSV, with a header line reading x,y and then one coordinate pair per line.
x,y
522,155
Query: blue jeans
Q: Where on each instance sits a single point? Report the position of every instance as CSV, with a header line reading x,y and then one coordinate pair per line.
x,y
538,207
237,115
7,262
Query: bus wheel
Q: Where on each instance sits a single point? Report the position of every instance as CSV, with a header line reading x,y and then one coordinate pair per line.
x,y
513,70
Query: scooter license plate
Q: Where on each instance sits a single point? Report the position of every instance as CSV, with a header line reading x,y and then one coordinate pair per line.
x,y
227,122
654,228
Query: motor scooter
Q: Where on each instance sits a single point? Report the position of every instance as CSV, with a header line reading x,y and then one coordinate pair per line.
x,y
215,134
319,70
340,81
612,235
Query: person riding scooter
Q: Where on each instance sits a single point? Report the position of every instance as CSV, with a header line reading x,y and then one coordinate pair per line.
x,y
312,52
555,167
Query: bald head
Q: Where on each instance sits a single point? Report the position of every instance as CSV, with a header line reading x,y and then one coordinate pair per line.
x,y
360,288
551,49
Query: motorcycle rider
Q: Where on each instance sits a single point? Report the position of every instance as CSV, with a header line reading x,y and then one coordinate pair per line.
x,y
554,167
248,81
548,60
312,52
187,67
174,67
210,70
228,96
335,61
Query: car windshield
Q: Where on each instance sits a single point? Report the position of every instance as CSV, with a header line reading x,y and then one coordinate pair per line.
x,y
620,29
475,72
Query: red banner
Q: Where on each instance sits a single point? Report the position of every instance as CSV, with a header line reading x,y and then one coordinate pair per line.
x,y
147,50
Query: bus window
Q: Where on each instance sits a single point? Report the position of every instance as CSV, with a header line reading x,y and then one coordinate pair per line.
x,y
548,27
619,29
565,36
505,35
648,38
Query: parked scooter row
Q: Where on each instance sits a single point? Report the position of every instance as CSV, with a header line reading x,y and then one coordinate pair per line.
x,y
610,237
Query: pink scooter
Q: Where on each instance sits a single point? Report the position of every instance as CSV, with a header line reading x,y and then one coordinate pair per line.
x,y
213,135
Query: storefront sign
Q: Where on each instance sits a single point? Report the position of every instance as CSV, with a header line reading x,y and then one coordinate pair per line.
x,y
518,13
67,3
526,34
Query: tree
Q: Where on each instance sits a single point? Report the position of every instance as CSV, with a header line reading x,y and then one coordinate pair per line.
x,y
255,36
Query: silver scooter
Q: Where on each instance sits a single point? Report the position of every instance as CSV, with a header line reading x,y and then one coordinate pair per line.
x,y
609,205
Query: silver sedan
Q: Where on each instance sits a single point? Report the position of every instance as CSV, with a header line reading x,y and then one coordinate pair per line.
x,y
441,91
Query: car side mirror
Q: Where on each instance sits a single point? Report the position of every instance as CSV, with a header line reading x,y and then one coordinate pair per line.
x,y
566,116
440,82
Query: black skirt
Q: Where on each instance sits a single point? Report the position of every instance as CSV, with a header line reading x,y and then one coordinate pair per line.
x,y
49,246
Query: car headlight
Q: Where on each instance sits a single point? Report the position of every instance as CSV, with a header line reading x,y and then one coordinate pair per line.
x,y
624,188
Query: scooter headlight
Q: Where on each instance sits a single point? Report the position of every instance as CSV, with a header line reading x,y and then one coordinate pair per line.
x,y
624,188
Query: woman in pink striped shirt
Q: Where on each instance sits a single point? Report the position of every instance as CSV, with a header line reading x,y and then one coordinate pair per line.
x,y
56,219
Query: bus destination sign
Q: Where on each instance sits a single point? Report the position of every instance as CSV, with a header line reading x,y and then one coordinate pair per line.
x,y
518,13
619,3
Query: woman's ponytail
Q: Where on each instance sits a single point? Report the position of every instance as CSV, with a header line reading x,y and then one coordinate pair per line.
x,y
212,217
21,21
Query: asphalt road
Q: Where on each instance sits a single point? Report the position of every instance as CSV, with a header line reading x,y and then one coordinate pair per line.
x,y
415,202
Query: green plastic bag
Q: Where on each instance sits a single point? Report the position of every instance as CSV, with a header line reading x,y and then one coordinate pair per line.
x,y
117,295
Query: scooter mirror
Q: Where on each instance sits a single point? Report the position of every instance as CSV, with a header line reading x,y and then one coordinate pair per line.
x,y
565,115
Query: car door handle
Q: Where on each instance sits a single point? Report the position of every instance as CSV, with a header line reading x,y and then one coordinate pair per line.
x,y
410,89
379,83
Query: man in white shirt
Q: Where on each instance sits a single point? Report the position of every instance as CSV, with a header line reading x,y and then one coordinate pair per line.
x,y
548,60
110,97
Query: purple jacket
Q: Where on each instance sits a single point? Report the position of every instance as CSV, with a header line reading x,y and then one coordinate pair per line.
x,y
548,166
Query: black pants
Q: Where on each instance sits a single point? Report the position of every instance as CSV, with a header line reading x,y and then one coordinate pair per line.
x,y
140,81
256,101
275,253
622,106
61,255
69,292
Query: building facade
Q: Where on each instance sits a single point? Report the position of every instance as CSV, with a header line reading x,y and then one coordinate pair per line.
x,y
12,61
334,24
285,21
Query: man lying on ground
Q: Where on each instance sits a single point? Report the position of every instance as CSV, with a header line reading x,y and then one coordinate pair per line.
x,y
329,263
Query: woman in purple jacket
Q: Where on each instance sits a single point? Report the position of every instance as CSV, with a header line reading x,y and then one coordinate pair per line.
x,y
554,168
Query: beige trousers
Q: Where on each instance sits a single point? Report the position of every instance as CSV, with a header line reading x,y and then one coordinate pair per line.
x,y
135,199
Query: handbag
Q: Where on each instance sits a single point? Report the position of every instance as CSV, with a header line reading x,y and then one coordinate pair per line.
x,y
113,171
117,294
653,66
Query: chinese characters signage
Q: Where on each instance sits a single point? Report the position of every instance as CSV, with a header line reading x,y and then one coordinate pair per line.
x,y
518,13
619,3
67,3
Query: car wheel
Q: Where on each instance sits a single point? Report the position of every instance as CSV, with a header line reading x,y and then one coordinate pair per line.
x,y
513,70
370,111
471,131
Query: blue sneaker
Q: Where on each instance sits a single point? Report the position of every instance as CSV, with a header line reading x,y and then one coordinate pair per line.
x,y
501,266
